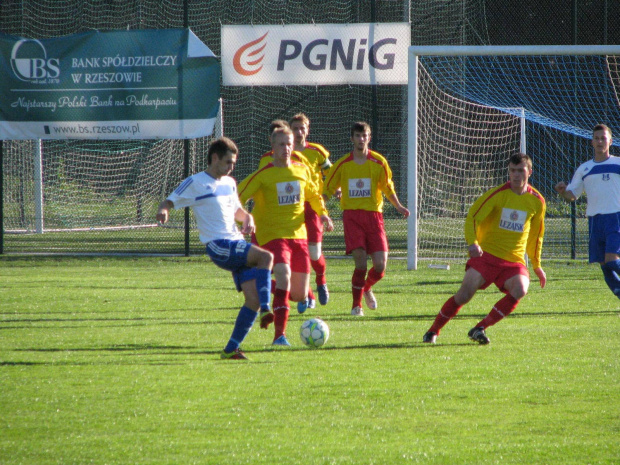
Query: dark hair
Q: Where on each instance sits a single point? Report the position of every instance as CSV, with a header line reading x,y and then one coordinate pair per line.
x,y
602,127
276,124
518,158
360,126
220,147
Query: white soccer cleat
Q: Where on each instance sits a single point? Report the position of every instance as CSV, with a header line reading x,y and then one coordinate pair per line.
x,y
357,311
371,301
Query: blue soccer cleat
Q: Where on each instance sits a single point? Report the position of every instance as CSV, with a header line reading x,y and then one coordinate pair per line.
x,y
323,294
302,306
281,341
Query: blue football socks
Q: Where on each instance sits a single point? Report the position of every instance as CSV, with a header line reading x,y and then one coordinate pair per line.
x,y
263,286
611,271
244,323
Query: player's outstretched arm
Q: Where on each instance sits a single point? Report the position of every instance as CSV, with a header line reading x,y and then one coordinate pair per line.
x,y
163,211
542,277
567,195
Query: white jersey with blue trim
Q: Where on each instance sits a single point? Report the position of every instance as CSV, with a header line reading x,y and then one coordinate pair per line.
x,y
214,202
601,183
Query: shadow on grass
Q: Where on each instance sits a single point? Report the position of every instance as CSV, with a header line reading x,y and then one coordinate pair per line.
x,y
136,322
109,363
466,316
113,348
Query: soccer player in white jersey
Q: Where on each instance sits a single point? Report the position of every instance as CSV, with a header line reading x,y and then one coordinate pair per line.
x,y
212,194
599,178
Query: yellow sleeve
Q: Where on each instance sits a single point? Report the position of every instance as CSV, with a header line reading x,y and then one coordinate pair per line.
x,y
248,187
387,185
332,181
323,159
535,238
477,212
313,195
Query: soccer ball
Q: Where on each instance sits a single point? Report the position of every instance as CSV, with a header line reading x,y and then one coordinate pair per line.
x,y
314,332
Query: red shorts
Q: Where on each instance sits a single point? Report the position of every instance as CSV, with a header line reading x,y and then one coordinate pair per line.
x,y
314,225
496,270
293,252
364,230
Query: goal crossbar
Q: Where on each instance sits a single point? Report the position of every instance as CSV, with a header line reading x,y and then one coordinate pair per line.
x,y
413,99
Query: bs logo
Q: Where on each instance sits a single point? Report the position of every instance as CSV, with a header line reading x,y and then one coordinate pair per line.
x,y
30,63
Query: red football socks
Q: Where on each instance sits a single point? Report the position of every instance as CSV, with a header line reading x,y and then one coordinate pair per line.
x,y
447,312
280,311
373,278
319,267
502,308
357,286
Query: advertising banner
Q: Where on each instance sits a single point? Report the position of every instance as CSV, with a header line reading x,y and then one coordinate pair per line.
x,y
315,54
142,84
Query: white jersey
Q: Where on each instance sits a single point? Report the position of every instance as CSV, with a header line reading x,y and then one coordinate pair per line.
x,y
214,202
601,183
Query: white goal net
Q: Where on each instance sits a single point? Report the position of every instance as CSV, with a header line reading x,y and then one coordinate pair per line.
x,y
470,108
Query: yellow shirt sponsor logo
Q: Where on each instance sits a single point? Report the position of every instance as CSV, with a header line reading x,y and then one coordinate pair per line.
x,y
359,188
512,220
288,193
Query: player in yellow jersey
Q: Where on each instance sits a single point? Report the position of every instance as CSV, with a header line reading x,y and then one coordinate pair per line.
x,y
318,160
279,190
501,226
364,177
267,158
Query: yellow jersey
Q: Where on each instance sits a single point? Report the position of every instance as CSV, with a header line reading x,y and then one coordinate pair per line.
x,y
318,161
508,225
363,185
279,194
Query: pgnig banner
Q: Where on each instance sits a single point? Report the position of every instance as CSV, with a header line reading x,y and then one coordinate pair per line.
x,y
315,54
141,84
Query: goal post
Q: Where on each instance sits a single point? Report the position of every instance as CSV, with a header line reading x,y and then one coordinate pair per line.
x,y
470,107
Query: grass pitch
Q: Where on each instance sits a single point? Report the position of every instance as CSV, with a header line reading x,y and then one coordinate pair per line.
x,y
116,361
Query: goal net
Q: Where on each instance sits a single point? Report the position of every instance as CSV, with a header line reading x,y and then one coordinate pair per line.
x,y
104,188
248,112
470,108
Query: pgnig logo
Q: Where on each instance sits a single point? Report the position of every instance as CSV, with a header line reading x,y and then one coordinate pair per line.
x,y
30,63
319,54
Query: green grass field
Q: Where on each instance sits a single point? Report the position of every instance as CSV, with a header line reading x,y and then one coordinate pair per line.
x,y
116,361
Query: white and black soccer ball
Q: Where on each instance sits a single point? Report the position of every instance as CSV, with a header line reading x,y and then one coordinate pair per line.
x,y
314,332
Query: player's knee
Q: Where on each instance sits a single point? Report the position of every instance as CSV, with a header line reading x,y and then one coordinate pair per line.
x,y
518,292
380,269
281,273
463,296
265,259
252,302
